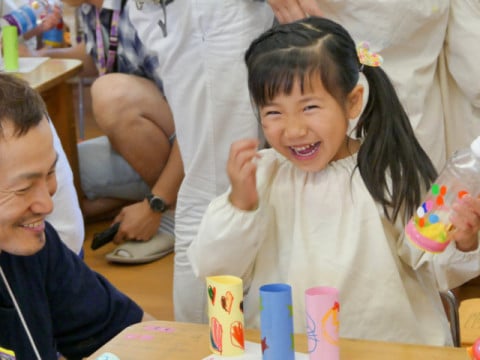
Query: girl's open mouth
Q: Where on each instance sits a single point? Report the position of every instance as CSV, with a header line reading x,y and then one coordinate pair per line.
x,y
305,151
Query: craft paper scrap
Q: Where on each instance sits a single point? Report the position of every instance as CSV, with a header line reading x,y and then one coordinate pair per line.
x,y
28,64
253,351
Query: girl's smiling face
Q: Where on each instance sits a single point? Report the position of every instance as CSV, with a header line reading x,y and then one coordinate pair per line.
x,y
309,128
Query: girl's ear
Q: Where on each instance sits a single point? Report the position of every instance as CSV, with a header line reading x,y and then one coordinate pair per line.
x,y
355,102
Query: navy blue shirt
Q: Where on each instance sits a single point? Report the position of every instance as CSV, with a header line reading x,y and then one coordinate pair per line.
x,y
68,307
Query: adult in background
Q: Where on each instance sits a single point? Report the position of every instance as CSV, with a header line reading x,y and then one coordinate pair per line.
x,y
410,36
200,47
136,165
459,73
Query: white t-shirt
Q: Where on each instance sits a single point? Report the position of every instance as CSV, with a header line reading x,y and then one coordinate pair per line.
x,y
66,217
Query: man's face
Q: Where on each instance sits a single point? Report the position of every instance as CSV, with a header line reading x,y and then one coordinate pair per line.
x,y
27,183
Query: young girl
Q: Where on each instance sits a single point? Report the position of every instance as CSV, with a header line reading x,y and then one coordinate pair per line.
x,y
322,207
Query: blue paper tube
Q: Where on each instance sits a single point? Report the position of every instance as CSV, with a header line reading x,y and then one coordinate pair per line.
x,y
276,322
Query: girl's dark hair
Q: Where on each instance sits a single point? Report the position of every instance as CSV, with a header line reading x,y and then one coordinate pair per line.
x,y
393,165
19,104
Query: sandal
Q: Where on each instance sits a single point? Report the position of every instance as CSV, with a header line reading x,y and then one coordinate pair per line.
x,y
141,252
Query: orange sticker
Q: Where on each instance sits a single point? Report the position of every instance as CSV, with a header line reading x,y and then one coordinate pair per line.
x,y
440,200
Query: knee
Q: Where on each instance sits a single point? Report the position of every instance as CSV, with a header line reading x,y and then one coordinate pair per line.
x,y
110,96
108,88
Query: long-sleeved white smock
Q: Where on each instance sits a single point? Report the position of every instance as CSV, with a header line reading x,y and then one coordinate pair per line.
x,y
324,228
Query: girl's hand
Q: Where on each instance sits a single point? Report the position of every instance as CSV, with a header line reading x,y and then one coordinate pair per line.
x,y
241,169
290,10
466,221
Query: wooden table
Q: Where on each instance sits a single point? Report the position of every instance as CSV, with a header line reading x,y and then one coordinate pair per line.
x,y
50,80
182,341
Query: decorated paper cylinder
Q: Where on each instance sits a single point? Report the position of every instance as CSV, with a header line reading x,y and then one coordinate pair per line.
x,y
10,48
322,312
276,322
225,314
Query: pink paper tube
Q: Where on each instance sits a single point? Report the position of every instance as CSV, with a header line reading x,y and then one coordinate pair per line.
x,y
322,313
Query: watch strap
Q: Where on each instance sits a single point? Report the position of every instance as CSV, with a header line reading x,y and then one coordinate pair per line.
x,y
152,198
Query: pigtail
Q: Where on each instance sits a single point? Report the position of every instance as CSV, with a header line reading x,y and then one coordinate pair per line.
x,y
393,165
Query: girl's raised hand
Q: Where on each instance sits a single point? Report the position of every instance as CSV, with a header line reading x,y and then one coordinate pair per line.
x,y
466,221
241,169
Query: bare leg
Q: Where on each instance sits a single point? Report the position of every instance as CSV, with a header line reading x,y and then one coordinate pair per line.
x,y
102,208
134,115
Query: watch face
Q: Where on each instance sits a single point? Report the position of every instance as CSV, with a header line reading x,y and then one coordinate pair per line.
x,y
157,204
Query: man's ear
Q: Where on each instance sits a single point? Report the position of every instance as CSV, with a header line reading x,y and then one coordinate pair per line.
x,y
355,102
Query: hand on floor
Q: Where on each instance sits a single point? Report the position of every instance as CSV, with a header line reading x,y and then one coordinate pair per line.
x,y
138,222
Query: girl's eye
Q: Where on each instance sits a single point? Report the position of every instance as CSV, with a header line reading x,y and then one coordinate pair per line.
x,y
271,113
310,107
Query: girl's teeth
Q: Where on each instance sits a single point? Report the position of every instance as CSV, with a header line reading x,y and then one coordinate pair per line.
x,y
304,150
301,148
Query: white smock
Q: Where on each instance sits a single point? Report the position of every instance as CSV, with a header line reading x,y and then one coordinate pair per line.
x,y
325,229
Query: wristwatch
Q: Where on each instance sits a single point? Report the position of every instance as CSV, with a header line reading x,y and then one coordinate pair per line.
x,y
157,204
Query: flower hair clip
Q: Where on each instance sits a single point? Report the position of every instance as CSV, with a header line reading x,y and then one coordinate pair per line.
x,y
366,57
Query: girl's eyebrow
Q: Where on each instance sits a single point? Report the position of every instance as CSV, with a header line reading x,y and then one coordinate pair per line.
x,y
269,104
302,100
311,97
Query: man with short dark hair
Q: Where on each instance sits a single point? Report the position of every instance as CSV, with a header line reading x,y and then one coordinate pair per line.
x,y
50,301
